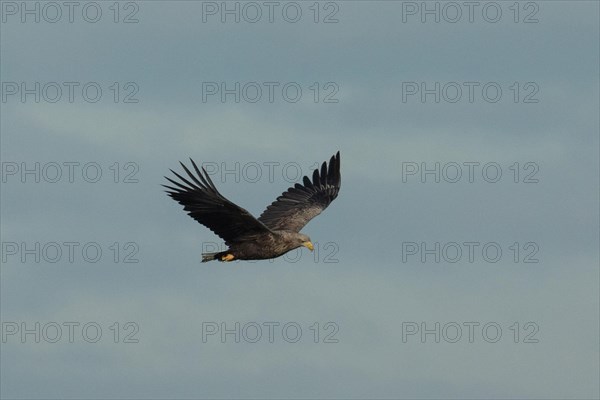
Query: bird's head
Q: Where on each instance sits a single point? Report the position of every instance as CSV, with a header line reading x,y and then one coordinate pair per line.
x,y
304,240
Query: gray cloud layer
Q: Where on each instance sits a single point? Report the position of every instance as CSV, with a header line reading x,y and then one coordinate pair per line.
x,y
370,293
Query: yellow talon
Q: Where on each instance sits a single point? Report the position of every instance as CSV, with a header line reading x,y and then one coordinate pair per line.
x,y
227,257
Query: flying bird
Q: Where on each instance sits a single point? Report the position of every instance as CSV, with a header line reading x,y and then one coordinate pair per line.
x,y
271,235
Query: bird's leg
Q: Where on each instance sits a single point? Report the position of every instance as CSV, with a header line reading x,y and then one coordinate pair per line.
x,y
227,257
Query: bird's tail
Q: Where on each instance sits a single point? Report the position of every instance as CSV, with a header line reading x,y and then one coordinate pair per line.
x,y
206,257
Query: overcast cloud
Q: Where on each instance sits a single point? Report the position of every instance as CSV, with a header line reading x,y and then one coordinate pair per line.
x,y
522,323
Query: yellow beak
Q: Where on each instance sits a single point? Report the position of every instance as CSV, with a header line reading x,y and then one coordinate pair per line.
x,y
308,245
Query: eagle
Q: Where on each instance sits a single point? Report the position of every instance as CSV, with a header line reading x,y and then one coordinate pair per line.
x,y
271,235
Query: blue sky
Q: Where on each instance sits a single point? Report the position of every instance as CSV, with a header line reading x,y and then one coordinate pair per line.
x,y
374,276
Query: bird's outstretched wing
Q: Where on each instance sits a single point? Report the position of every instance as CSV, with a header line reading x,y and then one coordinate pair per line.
x,y
203,202
301,203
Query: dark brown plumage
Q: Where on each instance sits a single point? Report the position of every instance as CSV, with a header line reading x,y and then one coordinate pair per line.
x,y
275,232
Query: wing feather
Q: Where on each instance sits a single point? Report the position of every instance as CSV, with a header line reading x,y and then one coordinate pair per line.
x,y
301,203
203,202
